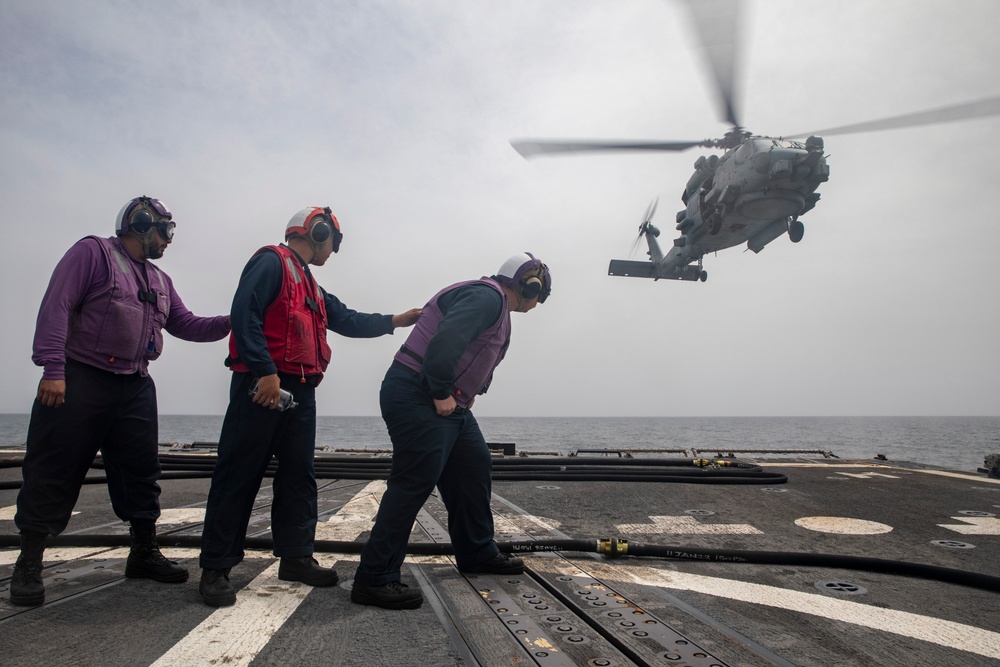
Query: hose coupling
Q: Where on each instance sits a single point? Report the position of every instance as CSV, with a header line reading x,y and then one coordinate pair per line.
x,y
709,463
612,548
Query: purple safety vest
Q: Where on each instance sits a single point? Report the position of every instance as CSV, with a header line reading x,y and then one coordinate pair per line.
x,y
474,370
113,329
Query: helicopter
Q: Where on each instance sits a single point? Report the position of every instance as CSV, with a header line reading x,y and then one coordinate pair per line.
x,y
758,189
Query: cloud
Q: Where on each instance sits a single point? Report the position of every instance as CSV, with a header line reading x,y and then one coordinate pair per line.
x,y
397,114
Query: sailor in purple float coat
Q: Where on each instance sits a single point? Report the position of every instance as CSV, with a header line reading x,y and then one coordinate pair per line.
x,y
426,400
99,326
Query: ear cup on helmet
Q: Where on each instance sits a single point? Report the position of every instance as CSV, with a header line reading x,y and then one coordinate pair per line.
x,y
326,225
531,288
141,221
320,231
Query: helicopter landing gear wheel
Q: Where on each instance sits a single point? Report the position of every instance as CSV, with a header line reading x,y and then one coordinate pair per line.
x,y
703,276
714,223
795,230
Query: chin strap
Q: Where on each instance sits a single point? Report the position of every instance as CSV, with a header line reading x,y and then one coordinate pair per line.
x,y
146,241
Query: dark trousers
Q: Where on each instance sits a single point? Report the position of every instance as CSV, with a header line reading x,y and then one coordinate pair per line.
x,y
103,412
251,436
428,449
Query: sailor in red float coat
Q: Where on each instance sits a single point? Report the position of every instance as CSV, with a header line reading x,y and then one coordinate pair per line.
x,y
280,317
295,322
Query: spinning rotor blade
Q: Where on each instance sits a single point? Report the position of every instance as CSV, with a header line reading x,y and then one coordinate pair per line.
x,y
646,219
529,148
717,23
989,106
635,246
651,210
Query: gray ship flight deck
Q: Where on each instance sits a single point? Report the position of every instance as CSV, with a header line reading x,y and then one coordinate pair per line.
x,y
570,607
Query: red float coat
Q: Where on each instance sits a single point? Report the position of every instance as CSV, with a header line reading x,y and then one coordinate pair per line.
x,y
294,323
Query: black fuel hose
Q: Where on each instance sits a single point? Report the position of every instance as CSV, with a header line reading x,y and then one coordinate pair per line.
x,y
511,463
563,469
612,548
101,479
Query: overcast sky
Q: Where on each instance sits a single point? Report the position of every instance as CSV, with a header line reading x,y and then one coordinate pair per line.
x,y
397,115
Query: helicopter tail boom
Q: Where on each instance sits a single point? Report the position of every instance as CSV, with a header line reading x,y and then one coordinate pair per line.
x,y
631,269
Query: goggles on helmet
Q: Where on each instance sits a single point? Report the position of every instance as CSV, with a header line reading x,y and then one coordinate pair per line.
x,y
166,229
142,214
142,222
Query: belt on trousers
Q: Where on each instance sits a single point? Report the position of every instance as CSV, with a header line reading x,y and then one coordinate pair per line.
x,y
396,364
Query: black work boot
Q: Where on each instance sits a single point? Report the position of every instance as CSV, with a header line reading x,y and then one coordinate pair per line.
x,y
502,563
146,562
26,587
215,589
393,595
307,571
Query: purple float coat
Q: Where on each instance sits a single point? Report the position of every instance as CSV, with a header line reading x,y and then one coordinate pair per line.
x,y
91,312
474,370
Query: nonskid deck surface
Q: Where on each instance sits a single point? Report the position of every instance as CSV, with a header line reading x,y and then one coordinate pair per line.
x,y
570,608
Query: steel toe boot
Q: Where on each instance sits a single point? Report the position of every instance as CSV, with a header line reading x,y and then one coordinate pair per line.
x,y
500,564
307,571
26,587
146,562
215,588
393,595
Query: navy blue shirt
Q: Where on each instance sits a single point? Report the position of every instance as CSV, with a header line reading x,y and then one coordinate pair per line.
x,y
259,286
468,312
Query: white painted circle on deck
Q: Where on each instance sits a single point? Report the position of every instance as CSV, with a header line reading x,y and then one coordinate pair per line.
x,y
841,525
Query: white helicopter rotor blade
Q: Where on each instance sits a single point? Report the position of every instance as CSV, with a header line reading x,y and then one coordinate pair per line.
x,y
983,108
529,148
717,23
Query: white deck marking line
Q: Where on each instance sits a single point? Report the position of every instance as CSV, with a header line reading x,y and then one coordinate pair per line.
x,y
355,517
685,525
980,525
54,555
942,473
544,523
926,628
867,475
181,515
233,636
7,513
945,473
840,525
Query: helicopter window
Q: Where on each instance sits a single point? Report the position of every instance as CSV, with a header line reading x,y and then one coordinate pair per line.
x,y
760,145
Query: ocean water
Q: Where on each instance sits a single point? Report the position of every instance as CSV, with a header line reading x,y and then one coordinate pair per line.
x,y
959,443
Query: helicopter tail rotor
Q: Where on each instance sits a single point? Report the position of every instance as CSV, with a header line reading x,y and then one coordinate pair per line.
x,y
647,218
646,226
